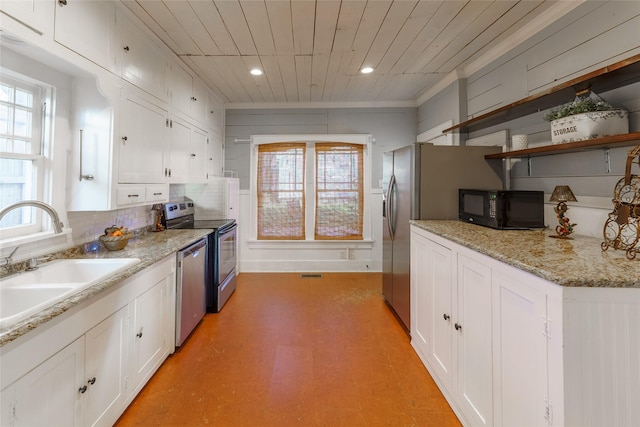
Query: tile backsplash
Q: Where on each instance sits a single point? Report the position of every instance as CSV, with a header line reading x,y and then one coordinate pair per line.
x,y
87,226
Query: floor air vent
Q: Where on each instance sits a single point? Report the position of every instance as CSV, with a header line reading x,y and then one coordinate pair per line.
x,y
311,276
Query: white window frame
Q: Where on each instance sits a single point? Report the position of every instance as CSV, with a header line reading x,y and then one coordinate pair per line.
x,y
41,149
310,199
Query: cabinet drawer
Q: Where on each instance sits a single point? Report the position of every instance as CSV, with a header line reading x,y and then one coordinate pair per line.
x,y
130,194
157,193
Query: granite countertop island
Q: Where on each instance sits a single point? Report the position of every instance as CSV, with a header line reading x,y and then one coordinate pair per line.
x,y
148,247
579,262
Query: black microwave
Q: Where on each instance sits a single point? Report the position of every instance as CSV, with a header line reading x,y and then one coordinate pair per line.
x,y
502,209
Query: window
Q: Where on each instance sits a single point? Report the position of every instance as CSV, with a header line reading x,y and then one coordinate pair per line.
x,y
21,158
339,195
281,207
309,190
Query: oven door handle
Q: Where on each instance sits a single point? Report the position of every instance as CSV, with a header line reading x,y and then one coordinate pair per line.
x,y
178,224
225,230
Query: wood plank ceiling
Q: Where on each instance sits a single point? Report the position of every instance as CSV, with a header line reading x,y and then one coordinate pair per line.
x,y
312,51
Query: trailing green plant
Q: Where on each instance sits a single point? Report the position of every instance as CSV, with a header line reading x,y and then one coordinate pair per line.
x,y
582,104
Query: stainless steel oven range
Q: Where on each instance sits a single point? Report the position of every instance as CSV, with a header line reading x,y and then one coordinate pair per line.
x,y
221,264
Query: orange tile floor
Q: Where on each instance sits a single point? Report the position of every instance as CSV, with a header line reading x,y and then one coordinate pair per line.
x,y
288,351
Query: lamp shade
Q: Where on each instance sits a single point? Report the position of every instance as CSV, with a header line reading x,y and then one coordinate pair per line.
x,y
562,193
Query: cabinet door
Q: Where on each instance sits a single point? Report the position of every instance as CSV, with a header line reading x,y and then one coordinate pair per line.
x,y
49,395
198,156
215,114
215,155
179,87
519,351
233,198
199,101
474,348
432,301
105,356
140,60
87,28
141,141
152,331
421,316
179,151
441,291
32,13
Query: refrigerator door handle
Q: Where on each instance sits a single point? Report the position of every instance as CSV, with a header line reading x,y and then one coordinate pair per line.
x,y
390,206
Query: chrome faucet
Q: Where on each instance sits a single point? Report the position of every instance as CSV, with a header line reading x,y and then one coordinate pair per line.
x,y
9,259
55,219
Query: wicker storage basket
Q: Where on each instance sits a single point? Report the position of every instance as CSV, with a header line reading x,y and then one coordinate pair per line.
x,y
116,243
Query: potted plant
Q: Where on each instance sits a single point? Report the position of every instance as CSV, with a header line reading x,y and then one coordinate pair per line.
x,y
587,117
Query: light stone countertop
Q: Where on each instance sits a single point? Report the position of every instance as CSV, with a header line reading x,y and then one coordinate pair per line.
x,y
578,262
148,247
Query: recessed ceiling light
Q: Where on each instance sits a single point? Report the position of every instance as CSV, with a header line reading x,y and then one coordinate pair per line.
x,y
366,70
256,71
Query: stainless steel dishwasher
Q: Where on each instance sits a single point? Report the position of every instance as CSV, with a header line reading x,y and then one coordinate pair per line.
x,y
191,300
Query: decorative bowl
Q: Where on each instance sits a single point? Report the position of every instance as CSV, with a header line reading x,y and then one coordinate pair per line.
x,y
116,243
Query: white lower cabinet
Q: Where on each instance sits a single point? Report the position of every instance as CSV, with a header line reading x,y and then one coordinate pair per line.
x,y
151,331
480,333
48,395
432,306
105,370
520,326
68,375
472,330
508,348
82,385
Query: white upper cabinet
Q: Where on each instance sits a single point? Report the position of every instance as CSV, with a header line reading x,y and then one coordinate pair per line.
x,y
215,114
198,155
187,95
199,101
186,153
89,29
141,139
179,86
32,13
140,60
215,155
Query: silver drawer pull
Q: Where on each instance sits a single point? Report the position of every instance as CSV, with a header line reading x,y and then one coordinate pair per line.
x,y
88,177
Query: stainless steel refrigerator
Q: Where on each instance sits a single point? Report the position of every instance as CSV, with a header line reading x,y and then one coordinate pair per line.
x,y
421,181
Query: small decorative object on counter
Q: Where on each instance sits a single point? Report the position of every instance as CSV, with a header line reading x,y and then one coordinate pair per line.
x,y
157,212
563,194
587,117
115,238
622,228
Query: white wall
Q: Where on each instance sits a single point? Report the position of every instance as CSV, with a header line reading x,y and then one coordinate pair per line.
x,y
391,128
593,35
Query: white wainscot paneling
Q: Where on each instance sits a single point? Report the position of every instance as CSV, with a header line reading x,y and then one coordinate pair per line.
x,y
602,344
299,256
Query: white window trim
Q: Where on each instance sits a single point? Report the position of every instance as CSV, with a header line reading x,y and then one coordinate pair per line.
x,y
42,93
361,139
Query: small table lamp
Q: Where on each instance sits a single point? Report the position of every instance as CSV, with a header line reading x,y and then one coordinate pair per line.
x,y
563,194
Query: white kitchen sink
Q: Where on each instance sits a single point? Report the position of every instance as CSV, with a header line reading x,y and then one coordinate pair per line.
x,y
26,293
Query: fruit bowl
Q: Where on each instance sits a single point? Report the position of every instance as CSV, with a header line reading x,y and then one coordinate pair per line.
x,y
116,243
